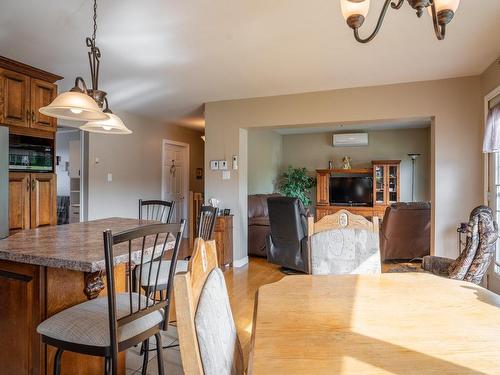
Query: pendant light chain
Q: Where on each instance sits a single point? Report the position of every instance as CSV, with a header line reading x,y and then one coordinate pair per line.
x,y
95,21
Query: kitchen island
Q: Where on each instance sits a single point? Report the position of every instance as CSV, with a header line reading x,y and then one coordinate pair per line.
x,y
46,270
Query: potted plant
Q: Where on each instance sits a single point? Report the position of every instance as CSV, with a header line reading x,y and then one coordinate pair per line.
x,y
295,182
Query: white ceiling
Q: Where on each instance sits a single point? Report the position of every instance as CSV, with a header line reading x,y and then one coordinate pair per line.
x,y
164,58
411,123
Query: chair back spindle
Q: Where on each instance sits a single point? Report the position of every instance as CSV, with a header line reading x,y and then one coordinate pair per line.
x,y
156,210
153,238
206,222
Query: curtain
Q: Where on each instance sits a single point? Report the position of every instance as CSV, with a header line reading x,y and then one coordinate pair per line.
x,y
491,141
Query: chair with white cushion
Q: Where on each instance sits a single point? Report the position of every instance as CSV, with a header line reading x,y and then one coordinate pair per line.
x,y
108,325
207,334
343,243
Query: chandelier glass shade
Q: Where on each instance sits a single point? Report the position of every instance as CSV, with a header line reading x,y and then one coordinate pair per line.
x,y
441,11
113,125
85,104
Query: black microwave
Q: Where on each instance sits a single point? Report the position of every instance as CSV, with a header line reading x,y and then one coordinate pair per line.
x,y
30,154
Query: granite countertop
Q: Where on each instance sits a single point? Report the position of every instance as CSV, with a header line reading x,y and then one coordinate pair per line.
x,y
77,246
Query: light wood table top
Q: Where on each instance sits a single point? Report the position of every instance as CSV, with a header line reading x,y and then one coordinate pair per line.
x,y
406,323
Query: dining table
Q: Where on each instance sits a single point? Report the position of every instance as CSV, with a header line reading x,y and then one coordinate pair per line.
x,y
392,323
46,270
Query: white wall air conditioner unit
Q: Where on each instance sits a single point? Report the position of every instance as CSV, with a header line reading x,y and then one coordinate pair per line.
x,y
350,140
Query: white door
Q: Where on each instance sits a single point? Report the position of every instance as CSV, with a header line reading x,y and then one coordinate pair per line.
x,y
175,178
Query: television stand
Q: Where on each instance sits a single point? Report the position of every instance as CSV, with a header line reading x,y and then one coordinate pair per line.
x,y
386,184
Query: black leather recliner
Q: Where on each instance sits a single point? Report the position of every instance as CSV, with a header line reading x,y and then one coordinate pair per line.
x,y
287,243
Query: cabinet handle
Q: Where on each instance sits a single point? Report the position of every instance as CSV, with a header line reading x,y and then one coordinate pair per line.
x,y
33,185
28,185
33,116
27,115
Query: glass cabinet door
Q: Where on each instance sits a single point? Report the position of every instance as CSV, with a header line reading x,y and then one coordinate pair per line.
x,y
393,184
379,184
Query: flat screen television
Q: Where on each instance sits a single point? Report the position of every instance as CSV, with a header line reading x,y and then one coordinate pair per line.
x,y
351,191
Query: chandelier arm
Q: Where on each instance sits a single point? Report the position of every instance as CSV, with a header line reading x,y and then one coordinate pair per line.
x,y
439,30
379,22
76,88
397,5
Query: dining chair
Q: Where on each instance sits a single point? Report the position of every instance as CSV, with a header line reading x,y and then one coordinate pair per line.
x,y
108,325
206,222
344,243
156,210
474,261
208,338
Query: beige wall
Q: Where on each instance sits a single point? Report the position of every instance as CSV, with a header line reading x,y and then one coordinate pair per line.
x,y
265,151
382,145
490,79
135,163
454,104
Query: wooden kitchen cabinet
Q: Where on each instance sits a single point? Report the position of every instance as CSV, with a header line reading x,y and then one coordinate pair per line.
x,y
32,200
43,200
19,201
23,90
42,94
223,236
15,93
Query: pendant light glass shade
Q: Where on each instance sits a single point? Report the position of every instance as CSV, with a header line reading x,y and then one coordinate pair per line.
x,y
74,106
354,8
113,125
446,5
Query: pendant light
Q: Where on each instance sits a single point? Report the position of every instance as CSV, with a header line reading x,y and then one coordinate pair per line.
x,y
441,12
84,104
112,125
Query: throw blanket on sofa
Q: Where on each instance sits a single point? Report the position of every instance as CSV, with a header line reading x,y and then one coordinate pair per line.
x,y
482,234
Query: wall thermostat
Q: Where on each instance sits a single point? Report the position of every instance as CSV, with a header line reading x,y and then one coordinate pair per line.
x,y
214,165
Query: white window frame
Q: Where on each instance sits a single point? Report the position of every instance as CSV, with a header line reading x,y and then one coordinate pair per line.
x,y
492,194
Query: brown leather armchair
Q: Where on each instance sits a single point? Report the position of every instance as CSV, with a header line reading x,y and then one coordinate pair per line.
x,y
405,232
258,223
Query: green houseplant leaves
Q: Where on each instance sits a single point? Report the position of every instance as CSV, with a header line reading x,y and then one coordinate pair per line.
x,y
295,182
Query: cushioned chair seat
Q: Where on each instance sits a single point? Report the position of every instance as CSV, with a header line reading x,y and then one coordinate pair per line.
x,y
88,323
182,266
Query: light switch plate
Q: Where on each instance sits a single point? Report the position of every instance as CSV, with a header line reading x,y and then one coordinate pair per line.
x,y
226,175
110,177
223,164
214,165
235,162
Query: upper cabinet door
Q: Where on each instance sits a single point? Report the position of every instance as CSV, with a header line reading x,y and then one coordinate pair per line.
x,y
42,94
19,201
43,199
14,109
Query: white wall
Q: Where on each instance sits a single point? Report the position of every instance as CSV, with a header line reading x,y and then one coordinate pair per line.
x,y
62,149
382,145
455,105
265,153
135,163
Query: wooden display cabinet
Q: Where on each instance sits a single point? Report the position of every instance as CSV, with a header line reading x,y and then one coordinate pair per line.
x,y
386,189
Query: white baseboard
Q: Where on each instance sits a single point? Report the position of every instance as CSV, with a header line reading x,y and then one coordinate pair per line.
x,y
240,262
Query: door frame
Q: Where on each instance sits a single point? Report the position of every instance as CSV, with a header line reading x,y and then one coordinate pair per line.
x,y
185,204
493,279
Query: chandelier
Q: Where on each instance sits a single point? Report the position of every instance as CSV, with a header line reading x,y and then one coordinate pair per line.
x,y
441,11
86,104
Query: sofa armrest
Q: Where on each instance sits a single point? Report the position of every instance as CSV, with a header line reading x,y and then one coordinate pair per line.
x,y
436,265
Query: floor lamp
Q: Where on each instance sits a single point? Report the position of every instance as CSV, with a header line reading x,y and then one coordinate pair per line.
x,y
413,158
